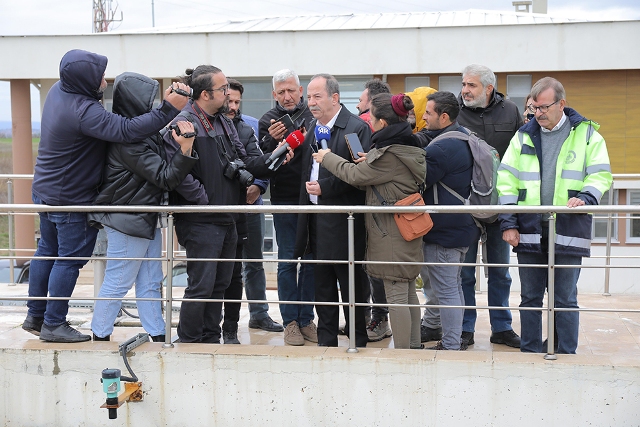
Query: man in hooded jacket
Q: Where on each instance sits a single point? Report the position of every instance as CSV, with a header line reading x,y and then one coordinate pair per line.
x,y
75,129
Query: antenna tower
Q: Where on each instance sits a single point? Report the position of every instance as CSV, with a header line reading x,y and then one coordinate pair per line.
x,y
104,12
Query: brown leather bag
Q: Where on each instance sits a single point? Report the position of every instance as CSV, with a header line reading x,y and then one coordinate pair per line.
x,y
411,224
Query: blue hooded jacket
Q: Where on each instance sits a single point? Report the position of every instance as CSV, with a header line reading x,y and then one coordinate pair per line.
x,y
75,127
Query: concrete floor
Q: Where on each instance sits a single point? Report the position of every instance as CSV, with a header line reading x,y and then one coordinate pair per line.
x,y
613,334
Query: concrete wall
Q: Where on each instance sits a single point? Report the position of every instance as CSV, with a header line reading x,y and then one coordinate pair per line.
x,y
568,46
215,385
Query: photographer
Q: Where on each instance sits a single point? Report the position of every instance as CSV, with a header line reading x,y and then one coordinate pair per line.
x,y
219,178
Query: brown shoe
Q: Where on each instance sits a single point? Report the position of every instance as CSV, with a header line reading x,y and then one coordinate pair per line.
x,y
292,335
310,332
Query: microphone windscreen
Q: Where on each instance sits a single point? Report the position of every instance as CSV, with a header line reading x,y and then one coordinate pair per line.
x,y
322,132
295,139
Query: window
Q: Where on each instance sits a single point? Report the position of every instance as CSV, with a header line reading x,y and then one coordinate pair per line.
x,y
411,83
518,87
451,84
599,227
633,223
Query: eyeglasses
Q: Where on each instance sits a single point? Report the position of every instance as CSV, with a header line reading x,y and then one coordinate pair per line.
x,y
224,89
543,108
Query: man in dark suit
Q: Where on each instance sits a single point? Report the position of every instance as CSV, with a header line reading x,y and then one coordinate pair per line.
x,y
326,234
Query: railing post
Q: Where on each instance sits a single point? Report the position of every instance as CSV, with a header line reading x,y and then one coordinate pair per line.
x,y
607,268
169,285
352,286
12,278
551,291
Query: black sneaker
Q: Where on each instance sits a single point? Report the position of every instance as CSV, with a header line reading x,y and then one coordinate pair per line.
x,y
33,324
230,337
158,338
440,346
266,324
430,334
97,338
509,338
467,338
62,333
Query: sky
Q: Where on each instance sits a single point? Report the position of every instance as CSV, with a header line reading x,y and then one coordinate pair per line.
x,y
45,17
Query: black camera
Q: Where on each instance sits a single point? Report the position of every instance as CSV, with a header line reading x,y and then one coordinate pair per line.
x,y
236,170
182,91
186,135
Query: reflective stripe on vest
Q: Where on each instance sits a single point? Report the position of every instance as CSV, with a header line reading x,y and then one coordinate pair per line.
x,y
531,239
576,242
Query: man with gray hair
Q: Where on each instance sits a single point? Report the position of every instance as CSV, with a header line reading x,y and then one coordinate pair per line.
x,y
486,112
285,190
324,234
559,159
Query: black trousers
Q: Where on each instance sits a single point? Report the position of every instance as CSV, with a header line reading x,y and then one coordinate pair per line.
x,y
327,277
200,322
234,291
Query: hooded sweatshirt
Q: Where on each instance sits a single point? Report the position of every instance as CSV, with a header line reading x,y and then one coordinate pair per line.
x,y
75,127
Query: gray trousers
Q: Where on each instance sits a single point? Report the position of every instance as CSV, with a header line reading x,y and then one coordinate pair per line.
x,y
405,321
446,283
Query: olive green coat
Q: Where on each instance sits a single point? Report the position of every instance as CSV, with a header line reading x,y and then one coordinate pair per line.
x,y
396,171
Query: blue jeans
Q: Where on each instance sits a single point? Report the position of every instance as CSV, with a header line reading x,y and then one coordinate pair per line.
x,y
533,283
445,281
120,276
498,286
62,234
255,282
290,287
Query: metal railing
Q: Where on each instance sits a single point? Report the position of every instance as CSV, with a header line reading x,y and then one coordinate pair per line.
x,y
350,211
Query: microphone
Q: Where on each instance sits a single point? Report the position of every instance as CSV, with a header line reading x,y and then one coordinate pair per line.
x,y
323,134
277,157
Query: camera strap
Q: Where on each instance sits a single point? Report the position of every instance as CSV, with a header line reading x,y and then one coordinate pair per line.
x,y
212,133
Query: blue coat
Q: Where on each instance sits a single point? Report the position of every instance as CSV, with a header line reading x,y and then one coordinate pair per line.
x,y
75,127
449,160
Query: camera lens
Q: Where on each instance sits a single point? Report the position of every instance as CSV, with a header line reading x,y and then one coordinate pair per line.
x,y
245,177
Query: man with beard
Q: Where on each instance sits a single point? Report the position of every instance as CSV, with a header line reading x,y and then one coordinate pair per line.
x,y
218,178
250,229
285,190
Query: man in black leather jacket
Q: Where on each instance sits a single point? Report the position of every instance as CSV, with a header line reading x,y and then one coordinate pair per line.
x,y
136,174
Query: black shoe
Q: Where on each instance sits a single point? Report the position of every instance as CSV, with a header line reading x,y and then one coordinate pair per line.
x,y
97,338
157,338
430,334
62,333
33,324
266,324
509,338
467,338
230,337
440,346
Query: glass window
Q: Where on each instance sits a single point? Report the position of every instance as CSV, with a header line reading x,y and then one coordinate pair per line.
x,y
599,228
518,87
451,84
633,227
411,83
257,98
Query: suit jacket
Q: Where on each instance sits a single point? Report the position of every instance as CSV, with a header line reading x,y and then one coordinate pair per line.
x,y
331,240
